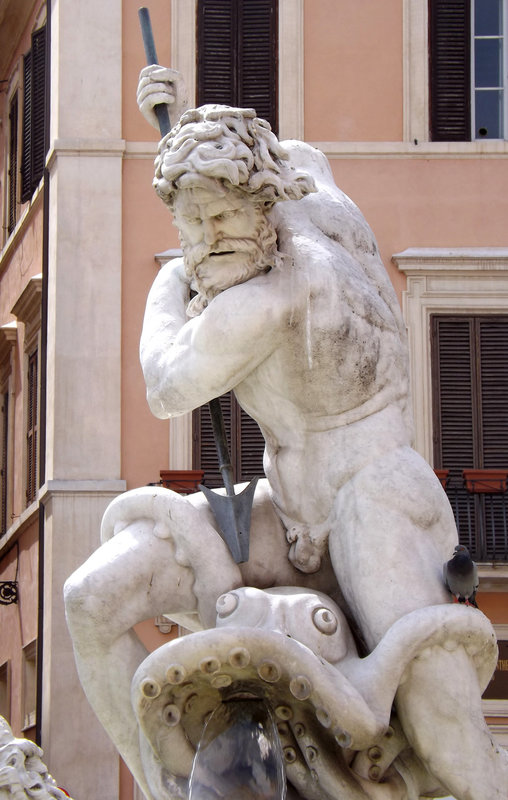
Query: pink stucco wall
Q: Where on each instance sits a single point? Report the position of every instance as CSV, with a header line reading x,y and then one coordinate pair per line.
x,y
353,70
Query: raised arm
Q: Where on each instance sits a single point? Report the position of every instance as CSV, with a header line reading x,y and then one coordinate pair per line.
x,y
188,362
161,85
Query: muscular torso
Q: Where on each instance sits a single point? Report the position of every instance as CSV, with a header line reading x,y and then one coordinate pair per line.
x,y
332,395
314,355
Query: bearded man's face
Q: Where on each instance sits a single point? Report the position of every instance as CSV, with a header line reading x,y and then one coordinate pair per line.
x,y
225,236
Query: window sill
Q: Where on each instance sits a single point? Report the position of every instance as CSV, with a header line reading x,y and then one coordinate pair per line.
x,y
14,238
492,148
19,525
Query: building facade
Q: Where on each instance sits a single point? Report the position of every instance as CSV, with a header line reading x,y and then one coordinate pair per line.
x,y
407,99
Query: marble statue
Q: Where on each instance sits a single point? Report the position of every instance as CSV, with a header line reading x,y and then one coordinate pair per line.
x,y
22,772
340,618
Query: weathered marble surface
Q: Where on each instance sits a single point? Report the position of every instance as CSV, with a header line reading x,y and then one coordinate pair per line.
x,y
282,296
22,772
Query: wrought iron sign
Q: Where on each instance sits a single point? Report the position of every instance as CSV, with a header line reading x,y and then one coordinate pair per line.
x,y
8,592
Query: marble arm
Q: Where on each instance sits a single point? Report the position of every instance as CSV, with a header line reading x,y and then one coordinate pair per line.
x,y
186,363
161,85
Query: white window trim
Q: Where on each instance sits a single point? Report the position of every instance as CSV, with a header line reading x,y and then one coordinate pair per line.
x,y
14,88
8,340
505,72
183,58
416,88
29,687
445,281
27,309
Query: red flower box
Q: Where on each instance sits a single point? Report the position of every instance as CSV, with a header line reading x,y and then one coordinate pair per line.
x,y
442,474
486,481
182,481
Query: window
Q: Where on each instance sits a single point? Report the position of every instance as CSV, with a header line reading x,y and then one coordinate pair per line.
x,y
34,113
32,431
468,69
245,442
5,691
12,198
8,339
489,69
470,393
237,65
237,55
27,309
29,697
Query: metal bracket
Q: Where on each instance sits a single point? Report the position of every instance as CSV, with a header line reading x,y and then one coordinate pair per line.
x,y
8,592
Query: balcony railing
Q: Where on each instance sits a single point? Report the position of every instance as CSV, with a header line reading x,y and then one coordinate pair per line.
x,y
479,499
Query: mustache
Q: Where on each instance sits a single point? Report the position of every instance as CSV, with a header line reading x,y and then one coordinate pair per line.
x,y
196,254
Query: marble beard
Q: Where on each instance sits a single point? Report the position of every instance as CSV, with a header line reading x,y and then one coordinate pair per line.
x,y
340,618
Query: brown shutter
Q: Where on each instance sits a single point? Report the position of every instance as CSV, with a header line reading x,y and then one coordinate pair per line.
x,y
470,400
34,104
250,447
26,152
38,105
449,70
454,414
216,41
257,58
204,452
245,442
237,54
493,341
13,164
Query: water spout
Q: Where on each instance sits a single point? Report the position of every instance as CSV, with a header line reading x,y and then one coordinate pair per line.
x,y
239,755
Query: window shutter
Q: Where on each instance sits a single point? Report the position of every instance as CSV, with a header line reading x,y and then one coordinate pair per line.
x,y
216,40
13,164
250,447
26,157
470,387
205,454
493,340
38,105
237,55
257,57
245,442
34,105
453,393
449,70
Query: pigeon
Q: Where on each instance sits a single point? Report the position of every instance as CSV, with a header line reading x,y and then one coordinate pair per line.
x,y
460,575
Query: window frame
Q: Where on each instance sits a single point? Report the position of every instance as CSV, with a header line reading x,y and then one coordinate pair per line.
x,y
290,66
444,281
504,85
451,93
27,310
5,690
8,340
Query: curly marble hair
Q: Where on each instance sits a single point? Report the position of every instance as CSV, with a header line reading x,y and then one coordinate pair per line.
x,y
233,145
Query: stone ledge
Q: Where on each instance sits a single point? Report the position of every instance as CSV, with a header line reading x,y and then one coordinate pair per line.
x,y
56,487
